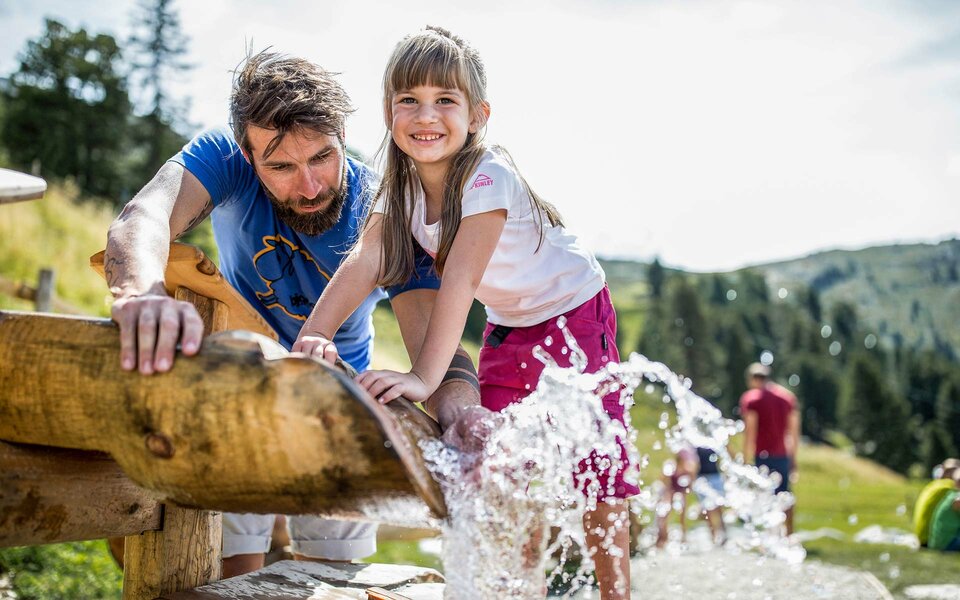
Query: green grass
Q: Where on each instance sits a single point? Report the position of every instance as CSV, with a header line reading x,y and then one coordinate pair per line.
x,y
60,233
62,571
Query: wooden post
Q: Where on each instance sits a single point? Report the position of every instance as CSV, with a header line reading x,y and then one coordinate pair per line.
x,y
44,299
184,555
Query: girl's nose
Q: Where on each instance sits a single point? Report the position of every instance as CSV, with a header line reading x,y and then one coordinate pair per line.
x,y
426,113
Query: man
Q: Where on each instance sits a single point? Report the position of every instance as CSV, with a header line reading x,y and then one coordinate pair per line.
x,y
772,432
286,204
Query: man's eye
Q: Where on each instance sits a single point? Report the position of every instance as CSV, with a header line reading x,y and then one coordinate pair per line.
x,y
279,167
321,157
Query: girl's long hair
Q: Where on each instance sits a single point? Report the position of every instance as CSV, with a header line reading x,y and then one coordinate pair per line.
x,y
435,57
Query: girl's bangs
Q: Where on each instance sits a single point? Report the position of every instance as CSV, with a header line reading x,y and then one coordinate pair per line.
x,y
426,62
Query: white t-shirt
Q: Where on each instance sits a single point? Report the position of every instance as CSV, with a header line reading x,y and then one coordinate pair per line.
x,y
522,285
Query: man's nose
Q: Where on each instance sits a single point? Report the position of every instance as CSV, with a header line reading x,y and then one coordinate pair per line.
x,y
309,185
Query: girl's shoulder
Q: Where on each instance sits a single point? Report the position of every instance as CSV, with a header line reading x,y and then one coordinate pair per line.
x,y
494,171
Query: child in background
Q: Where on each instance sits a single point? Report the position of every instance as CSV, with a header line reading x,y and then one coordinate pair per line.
x,y
492,239
678,476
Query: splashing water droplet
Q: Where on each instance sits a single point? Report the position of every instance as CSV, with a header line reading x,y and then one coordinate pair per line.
x,y
522,484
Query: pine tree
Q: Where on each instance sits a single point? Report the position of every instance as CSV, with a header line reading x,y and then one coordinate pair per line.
x,y
655,278
948,409
159,45
875,417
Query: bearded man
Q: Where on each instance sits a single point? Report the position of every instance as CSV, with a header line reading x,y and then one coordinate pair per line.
x,y
286,204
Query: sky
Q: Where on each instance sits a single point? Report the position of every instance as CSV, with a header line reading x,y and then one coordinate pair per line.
x,y
713,134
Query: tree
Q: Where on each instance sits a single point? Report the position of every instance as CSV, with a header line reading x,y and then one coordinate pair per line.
x,y
817,391
655,277
690,332
159,46
948,409
875,417
67,108
738,354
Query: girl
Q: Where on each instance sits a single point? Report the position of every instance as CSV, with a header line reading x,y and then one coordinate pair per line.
x,y
491,238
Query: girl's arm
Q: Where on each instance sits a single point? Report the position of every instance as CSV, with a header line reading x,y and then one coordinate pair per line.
x,y
472,248
353,281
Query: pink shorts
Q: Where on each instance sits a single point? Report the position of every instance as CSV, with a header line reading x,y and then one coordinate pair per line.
x,y
509,372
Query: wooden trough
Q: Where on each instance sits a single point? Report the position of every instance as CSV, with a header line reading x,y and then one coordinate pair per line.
x,y
89,450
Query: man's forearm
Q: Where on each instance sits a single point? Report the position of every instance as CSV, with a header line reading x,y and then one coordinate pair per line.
x,y
138,244
459,390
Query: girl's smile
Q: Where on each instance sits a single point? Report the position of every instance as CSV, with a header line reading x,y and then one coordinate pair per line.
x,y
430,124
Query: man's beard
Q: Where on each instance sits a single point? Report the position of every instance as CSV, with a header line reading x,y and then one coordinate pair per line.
x,y
313,223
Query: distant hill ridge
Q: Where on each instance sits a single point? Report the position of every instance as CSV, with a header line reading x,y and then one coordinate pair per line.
x,y
908,293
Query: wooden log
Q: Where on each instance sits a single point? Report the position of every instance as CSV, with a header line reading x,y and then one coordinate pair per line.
x,y
241,427
185,555
50,495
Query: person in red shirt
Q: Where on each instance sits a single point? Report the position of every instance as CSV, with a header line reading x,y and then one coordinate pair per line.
x,y
772,432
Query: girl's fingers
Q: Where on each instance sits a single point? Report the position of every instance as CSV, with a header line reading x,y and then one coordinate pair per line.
x,y
391,394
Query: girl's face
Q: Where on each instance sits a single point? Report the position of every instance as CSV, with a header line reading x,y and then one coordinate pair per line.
x,y
430,124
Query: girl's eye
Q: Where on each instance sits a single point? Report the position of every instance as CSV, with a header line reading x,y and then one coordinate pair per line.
x,y
407,100
445,101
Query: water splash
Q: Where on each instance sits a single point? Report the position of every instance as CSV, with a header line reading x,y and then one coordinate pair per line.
x,y
518,505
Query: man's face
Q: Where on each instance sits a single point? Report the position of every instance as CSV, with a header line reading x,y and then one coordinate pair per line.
x,y
304,177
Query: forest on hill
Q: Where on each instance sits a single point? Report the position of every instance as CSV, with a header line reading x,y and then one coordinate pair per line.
x,y
845,346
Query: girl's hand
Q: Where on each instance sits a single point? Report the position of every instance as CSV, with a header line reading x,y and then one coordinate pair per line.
x,y
318,347
387,385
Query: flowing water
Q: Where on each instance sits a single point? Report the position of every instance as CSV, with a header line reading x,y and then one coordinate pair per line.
x,y
516,507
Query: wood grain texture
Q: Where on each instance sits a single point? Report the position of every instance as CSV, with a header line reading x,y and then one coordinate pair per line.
x,y
241,427
50,495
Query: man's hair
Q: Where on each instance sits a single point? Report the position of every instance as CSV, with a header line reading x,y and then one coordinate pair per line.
x,y
284,93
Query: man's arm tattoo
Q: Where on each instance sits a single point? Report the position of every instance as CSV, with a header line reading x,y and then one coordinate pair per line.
x,y
109,270
203,214
461,368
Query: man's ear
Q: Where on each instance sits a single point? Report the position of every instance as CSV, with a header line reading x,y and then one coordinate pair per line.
x,y
246,155
480,117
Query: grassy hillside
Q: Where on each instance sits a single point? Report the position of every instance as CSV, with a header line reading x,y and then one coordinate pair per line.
x,y
909,293
55,232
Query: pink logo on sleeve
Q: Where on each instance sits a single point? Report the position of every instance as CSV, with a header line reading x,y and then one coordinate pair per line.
x,y
481,181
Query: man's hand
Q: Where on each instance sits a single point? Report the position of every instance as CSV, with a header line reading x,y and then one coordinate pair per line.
x,y
470,432
317,346
150,327
388,385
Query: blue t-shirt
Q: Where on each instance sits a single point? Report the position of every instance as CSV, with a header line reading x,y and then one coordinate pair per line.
x,y
279,271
